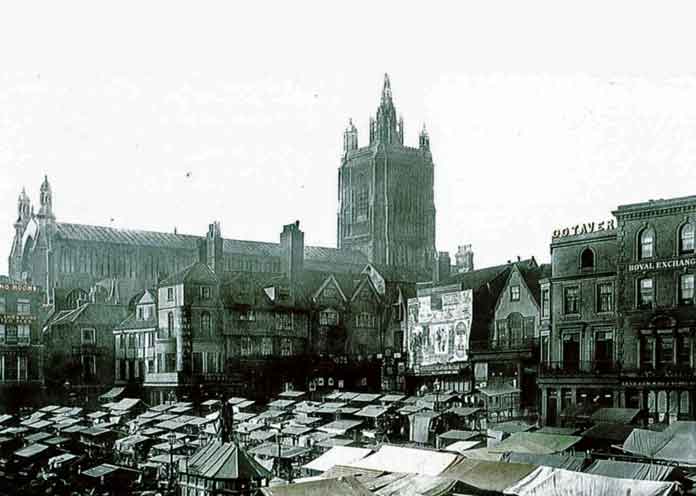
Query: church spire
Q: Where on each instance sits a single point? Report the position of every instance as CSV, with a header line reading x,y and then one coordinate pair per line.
x,y
386,128
350,137
424,139
46,199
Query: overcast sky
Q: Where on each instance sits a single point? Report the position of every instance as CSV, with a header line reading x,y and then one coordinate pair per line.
x,y
540,115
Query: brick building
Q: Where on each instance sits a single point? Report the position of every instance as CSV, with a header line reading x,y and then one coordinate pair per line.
x,y
21,347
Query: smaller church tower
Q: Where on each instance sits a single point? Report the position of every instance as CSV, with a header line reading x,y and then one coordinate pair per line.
x,y
23,217
350,138
46,200
424,139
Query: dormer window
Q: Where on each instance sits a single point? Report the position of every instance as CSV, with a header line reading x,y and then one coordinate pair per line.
x,y
587,260
686,238
646,247
141,313
205,292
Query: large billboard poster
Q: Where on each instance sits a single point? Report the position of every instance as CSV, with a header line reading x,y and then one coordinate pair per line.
x,y
439,326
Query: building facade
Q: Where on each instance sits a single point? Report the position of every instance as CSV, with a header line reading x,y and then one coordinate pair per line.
x,y
580,364
657,311
21,346
386,205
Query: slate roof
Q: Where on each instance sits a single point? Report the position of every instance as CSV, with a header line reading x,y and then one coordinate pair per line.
x,y
93,313
135,237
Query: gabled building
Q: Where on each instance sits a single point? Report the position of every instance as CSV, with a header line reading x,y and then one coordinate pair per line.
x,y
134,343
505,364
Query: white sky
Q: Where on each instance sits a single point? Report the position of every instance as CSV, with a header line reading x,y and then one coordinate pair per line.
x,y
540,114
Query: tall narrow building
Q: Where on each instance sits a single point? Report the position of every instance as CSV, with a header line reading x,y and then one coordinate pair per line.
x,y
386,205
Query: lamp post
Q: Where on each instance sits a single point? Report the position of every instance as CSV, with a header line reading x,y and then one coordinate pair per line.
x,y
436,387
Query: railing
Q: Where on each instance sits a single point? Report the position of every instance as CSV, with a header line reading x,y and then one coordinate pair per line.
x,y
580,367
662,370
511,344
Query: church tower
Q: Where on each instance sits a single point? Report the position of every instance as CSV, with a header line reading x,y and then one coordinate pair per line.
x,y
386,205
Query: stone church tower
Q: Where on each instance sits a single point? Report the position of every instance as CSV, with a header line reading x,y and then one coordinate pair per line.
x,y
386,207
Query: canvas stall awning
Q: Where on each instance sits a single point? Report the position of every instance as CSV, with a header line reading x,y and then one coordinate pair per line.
x,y
112,394
615,415
340,427
462,446
372,411
568,462
677,443
531,442
339,455
604,431
456,435
422,485
419,426
631,470
407,460
558,482
488,476
345,486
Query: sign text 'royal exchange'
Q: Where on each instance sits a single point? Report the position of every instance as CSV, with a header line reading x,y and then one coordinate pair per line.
x,y
676,263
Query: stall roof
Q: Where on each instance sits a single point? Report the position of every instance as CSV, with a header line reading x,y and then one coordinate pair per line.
x,y
97,415
152,431
65,457
440,398
281,404
243,404
511,427
271,414
338,455
64,424
235,400
170,425
195,421
271,450
459,435
676,443
49,408
484,454
306,420
531,442
615,415
362,474
292,394
416,484
211,403
487,475
330,407
631,470
568,462
101,470
554,481
340,427
407,460
296,430
96,431
615,433
246,427
367,397
348,410
75,429
330,442
181,410
31,450
39,436
112,393
333,396
566,431
345,486
5,418
463,411
392,398
161,408
348,396
262,435
411,409
166,458
126,404
372,411
243,417
462,446
39,424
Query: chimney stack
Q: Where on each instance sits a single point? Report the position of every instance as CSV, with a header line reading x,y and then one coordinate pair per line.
x,y
210,252
464,258
292,248
444,265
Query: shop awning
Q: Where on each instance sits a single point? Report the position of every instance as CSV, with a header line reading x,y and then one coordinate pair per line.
x,y
339,455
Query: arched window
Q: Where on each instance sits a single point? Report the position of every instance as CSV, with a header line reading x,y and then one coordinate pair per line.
x,y
646,248
686,238
587,259
205,322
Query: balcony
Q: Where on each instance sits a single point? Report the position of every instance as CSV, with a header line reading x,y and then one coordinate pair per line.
x,y
579,368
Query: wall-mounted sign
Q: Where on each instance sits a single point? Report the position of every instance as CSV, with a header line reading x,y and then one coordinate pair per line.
x,y
675,263
19,288
17,319
587,228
